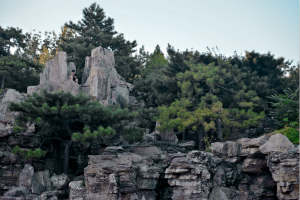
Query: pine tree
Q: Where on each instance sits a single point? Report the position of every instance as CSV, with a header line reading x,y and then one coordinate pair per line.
x,y
60,116
96,29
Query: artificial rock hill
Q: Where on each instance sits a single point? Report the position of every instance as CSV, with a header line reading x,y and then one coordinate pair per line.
x,y
99,80
264,168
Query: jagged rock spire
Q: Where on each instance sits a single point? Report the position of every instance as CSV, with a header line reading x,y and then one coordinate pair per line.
x,y
99,80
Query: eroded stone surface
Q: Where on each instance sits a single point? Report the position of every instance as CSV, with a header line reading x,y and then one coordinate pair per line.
x,y
6,116
77,190
101,79
56,77
276,143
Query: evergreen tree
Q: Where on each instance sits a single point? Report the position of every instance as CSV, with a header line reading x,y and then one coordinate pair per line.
x,y
96,29
18,73
154,86
59,117
214,99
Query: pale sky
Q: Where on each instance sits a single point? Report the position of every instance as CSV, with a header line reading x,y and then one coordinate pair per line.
x,y
231,25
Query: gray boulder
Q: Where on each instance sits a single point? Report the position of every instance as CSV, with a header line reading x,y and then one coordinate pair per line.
x,y
59,181
77,190
25,177
6,116
41,182
276,143
223,193
17,192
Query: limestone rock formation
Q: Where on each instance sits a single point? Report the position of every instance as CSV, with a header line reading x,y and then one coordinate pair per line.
x,y
77,190
190,176
273,154
128,175
276,143
37,186
56,76
101,79
25,177
235,170
7,117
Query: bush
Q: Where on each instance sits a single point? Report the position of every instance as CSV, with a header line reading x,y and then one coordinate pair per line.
x,y
133,135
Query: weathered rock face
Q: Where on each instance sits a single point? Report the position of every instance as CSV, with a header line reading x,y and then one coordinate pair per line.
x,y
55,76
99,80
77,190
268,161
284,167
102,81
190,176
6,117
234,170
134,175
37,186
10,166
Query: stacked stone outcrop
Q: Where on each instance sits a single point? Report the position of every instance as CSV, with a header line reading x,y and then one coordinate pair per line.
x,y
246,169
100,78
56,77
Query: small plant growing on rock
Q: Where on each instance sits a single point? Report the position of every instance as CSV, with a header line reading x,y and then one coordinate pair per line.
x,y
29,154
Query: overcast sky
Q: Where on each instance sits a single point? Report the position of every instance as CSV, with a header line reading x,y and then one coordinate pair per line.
x,y
232,25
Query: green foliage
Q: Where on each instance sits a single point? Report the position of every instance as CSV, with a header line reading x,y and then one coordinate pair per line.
x,y
154,86
18,129
214,99
132,135
11,38
286,107
89,136
29,154
18,73
61,117
93,30
207,141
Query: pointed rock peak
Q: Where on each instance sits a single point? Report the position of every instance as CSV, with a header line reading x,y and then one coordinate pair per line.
x,y
102,57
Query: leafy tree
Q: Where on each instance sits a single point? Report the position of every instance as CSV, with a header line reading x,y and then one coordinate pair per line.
x,y
40,47
59,117
96,29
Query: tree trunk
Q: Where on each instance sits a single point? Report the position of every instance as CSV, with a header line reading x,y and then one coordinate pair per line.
x,y
3,82
66,156
219,127
200,138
